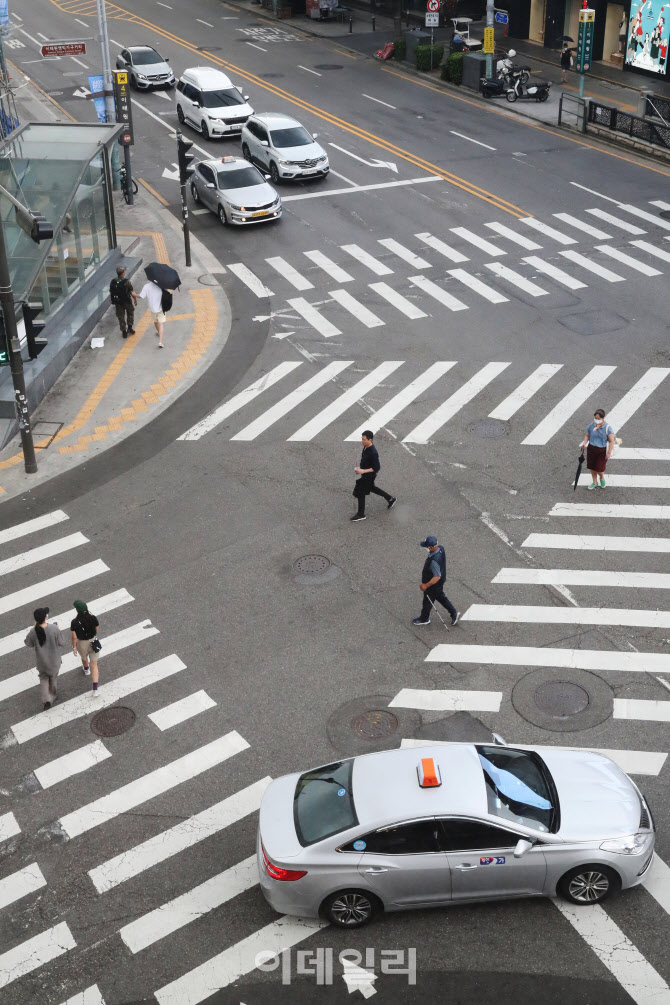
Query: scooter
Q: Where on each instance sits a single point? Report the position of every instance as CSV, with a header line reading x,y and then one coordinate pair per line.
x,y
538,90
494,87
505,68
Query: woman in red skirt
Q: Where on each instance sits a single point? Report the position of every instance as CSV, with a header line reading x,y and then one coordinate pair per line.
x,y
600,439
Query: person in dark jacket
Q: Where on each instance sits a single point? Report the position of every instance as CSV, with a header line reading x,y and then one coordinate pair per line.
x,y
47,641
368,469
566,60
432,583
125,301
84,629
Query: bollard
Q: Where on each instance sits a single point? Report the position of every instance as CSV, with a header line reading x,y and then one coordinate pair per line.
x,y
351,24
373,23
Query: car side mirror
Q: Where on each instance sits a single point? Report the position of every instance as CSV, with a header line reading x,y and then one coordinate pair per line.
x,y
166,59
210,184
523,846
246,97
264,143
314,135
497,738
267,177
197,104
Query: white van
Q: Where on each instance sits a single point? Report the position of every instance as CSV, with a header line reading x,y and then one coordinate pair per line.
x,y
210,102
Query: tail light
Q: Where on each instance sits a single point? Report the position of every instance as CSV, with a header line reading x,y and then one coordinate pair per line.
x,y
283,875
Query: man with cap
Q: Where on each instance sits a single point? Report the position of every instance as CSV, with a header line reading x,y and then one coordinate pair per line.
x,y
432,582
124,298
47,640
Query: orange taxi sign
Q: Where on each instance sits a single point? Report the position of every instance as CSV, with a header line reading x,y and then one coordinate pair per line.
x,y
429,773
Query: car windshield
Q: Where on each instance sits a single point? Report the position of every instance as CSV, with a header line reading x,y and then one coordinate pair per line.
x,y
296,136
519,787
223,97
144,57
323,803
243,177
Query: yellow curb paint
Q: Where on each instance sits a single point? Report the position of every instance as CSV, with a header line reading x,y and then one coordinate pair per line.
x,y
153,191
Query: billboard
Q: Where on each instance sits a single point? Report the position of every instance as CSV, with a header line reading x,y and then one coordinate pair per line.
x,y
648,34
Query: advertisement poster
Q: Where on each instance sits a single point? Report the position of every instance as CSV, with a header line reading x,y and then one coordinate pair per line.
x,y
4,17
97,84
648,33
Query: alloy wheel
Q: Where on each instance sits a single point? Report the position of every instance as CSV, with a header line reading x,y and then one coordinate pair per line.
x,y
351,909
205,130
274,174
589,887
180,114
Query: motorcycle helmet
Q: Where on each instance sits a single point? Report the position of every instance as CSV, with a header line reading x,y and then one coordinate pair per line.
x,y
511,53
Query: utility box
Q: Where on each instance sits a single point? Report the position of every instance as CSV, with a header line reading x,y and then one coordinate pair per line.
x,y
414,38
474,67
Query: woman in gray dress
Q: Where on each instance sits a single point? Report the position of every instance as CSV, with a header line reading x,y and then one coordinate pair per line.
x,y
47,641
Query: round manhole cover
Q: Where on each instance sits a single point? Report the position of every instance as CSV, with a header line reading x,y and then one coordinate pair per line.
x,y
311,565
375,724
112,721
488,428
560,698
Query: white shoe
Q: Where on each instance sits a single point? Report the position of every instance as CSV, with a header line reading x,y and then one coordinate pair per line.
x,y
95,693
160,345
87,671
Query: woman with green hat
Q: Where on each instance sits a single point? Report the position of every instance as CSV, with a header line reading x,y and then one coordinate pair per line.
x,y
84,630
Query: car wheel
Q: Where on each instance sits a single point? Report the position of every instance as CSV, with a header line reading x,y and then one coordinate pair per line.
x,y
180,114
194,193
350,908
589,884
204,130
222,216
274,174
246,153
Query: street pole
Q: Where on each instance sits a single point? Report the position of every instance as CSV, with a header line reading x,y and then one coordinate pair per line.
x,y
185,171
490,10
432,40
106,62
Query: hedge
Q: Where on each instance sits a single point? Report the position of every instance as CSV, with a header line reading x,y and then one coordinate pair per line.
x,y
453,68
423,61
400,47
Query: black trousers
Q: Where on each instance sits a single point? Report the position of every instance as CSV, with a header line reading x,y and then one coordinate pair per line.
x,y
364,486
437,595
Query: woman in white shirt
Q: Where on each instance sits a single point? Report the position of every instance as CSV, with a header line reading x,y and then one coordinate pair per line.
x,y
153,295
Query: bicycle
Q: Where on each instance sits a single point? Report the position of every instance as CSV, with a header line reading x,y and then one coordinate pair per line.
x,y
124,185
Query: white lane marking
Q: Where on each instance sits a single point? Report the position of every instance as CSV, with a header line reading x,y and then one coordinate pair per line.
x,y
586,542
291,400
641,709
175,914
330,267
532,656
516,279
525,391
254,46
239,959
114,42
657,883
448,701
307,70
585,577
360,188
35,952
85,24
631,481
616,221
20,884
512,235
379,101
44,551
479,242
651,250
345,401
643,215
470,139
598,270
454,403
566,407
80,706
314,317
622,511
578,224
238,401
435,291
180,711
152,784
92,995
397,300
75,60
37,591
548,231
632,263
31,526
520,614
71,764
401,400
477,286
292,275
343,177
402,252
555,273
444,249
616,952
193,212
178,838
659,203
356,308
250,280
11,643
9,826
163,4
364,258
206,23
642,454
32,39
25,680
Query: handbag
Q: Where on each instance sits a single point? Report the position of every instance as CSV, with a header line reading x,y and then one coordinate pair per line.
x,y
96,645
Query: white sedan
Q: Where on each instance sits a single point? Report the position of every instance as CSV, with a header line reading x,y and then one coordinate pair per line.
x,y
236,191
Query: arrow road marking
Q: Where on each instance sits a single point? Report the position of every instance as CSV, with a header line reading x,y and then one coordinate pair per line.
x,y
358,978
172,175
373,163
81,92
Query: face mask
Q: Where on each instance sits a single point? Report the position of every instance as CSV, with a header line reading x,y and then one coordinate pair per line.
x,y
598,422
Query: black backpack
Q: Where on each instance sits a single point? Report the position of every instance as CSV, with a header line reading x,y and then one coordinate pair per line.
x,y
117,291
166,301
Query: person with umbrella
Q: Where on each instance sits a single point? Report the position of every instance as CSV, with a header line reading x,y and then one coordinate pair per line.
x,y
600,439
566,61
161,278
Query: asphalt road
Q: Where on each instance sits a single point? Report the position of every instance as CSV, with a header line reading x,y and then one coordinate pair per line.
x,y
440,348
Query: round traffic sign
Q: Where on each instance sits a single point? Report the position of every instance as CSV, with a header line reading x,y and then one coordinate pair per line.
x,y
433,5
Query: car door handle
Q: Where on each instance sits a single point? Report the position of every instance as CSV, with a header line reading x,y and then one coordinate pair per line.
x,y
376,869
464,866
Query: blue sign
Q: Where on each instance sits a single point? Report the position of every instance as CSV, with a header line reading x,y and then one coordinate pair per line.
x,y
97,85
341,792
359,845
4,17
502,17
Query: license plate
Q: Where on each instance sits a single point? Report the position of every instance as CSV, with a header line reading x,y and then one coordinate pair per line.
x,y
310,171
262,212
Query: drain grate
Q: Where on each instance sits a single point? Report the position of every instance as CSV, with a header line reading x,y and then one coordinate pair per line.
x,y
561,698
375,724
488,429
113,721
311,565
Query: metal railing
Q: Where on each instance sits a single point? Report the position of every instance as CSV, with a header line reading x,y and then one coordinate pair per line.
x,y
633,126
658,107
572,111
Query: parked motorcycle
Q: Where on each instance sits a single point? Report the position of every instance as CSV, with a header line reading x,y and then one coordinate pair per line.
x,y
494,87
537,91
505,68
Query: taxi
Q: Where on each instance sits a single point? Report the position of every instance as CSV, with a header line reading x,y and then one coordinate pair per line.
x,y
236,191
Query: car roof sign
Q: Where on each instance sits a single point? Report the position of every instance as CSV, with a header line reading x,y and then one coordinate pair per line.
x,y
428,773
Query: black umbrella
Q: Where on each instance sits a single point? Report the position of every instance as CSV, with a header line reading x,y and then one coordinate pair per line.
x,y
579,470
564,38
163,275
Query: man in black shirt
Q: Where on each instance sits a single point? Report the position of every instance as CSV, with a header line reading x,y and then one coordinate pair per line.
x,y
367,469
432,582
124,299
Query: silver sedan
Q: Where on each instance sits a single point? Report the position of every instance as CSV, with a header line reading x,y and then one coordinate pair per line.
x,y
450,824
236,191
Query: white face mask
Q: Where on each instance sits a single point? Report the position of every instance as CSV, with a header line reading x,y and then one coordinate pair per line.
x,y
598,421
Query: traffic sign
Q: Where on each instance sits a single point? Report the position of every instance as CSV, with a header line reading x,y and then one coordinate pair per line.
x,y
489,41
64,49
585,39
502,17
123,106
433,5
432,19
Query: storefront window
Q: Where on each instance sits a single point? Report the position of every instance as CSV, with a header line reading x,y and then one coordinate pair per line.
x,y
648,33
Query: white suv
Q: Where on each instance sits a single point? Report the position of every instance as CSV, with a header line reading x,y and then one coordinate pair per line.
x,y
210,102
280,145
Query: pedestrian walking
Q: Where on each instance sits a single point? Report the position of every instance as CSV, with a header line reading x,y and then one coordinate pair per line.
x,y
47,640
600,439
124,298
432,582
368,469
566,62
153,295
84,630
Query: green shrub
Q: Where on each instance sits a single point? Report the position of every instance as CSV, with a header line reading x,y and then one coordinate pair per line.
x,y
423,60
400,49
453,68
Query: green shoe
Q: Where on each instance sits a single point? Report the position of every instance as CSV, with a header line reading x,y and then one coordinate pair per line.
x,y
591,487
602,483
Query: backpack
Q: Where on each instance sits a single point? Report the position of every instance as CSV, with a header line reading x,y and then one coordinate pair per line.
x,y
166,301
117,291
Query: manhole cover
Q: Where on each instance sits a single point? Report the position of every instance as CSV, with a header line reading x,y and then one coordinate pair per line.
x,y
112,721
593,322
311,565
560,698
375,724
488,428
328,66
